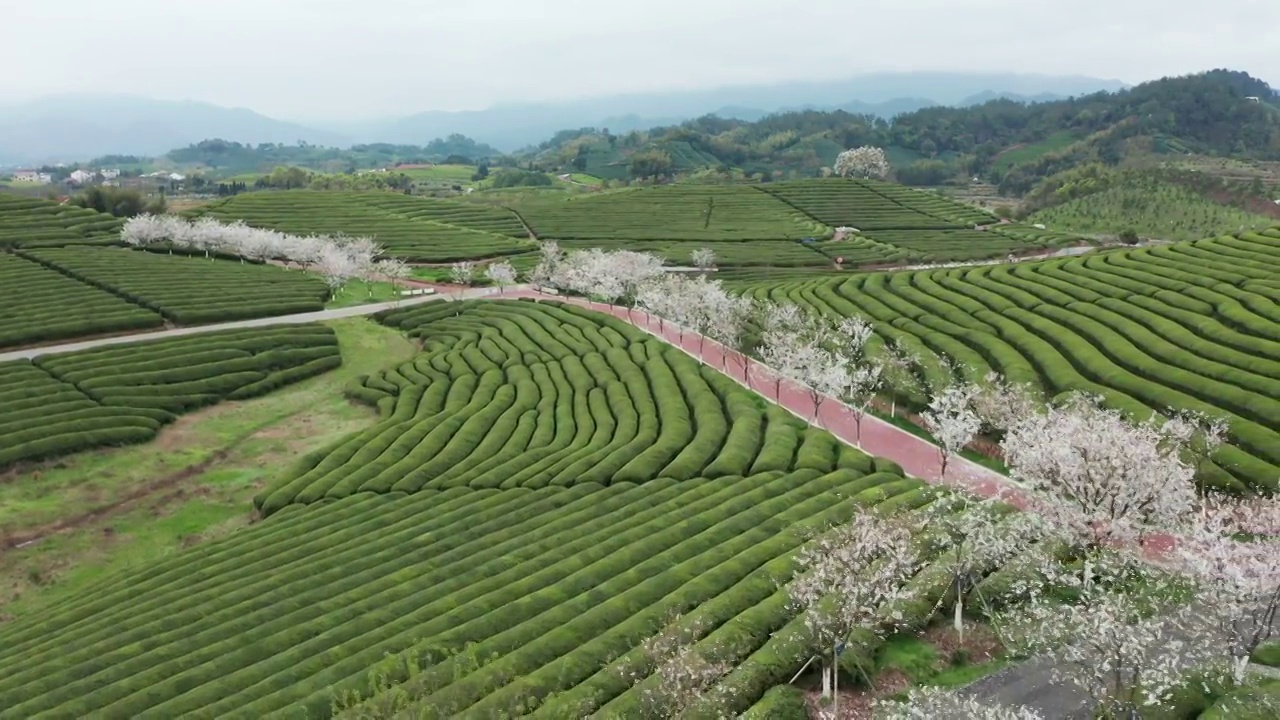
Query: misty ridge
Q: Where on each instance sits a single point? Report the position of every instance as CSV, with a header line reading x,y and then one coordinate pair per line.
x,y
71,127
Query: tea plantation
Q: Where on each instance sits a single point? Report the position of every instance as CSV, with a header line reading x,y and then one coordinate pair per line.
x,y
780,224
63,403
31,222
546,483
1189,326
68,292
430,231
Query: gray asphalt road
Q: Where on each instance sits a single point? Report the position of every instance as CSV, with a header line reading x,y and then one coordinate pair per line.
x,y
299,318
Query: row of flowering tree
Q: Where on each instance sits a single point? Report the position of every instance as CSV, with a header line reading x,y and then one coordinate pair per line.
x,y
338,259
1099,488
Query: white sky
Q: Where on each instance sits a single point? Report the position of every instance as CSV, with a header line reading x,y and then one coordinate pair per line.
x,y
346,59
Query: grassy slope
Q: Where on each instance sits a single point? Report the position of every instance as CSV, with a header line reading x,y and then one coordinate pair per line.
x,y
229,451
1032,151
1161,211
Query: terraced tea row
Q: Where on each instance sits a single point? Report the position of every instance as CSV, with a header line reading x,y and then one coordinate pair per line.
x,y
30,222
875,205
190,290
672,212
546,487
64,293
547,584
414,229
1191,326
41,304
517,394
777,253
59,404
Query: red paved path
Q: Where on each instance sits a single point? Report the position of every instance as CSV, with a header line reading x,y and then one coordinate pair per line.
x,y
918,457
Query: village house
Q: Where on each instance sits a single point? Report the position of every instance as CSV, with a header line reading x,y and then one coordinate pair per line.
x,y
81,177
32,176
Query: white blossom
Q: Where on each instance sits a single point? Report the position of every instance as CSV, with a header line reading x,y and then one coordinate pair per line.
x,y
935,703
703,258
462,272
862,162
682,676
1232,550
1096,477
1128,639
972,536
501,273
952,420
854,577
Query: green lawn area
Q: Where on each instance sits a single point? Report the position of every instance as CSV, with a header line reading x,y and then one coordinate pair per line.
x,y
439,173
358,293
193,483
1031,151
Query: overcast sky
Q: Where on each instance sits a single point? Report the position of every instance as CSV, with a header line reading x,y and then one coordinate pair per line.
x,y
347,59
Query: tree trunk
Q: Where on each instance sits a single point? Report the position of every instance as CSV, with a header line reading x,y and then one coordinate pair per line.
x,y
835,683
826,680
959,618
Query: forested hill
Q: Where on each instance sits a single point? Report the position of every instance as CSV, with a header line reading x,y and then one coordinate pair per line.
x,y
1004,141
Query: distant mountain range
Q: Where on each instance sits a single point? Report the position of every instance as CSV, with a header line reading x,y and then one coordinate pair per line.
x,y
80,127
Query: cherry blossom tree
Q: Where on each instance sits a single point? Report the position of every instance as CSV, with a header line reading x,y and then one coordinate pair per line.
x,y
1098,478
862,162
899,371
394,270
971,536
364,252
145,229
1128,639
783,324
952,420
703,258
682,676
336,266
851,578
863,377
1232,550
632,271
463,273
935,703
550,257
501,273
657,298
1200,436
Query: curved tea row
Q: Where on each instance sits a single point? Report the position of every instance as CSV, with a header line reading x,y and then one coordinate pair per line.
x,y
546,487
59,404
1192,326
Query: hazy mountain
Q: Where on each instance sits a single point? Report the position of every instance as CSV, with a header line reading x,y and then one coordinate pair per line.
x,y
80,127
509,127
989,95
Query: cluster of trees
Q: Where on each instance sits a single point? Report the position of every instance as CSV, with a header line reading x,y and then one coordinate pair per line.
x,y
120,202
338,259
1207,111
238,157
